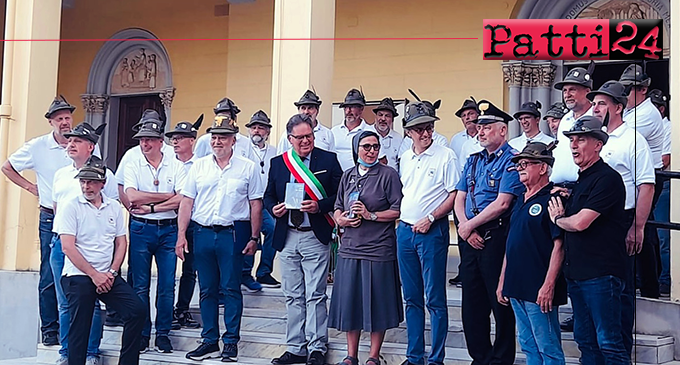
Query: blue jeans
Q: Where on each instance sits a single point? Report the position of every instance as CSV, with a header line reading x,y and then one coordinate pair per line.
x,y
149,241
662,214
187,281
47,296
268,252
219,260
422,265
597,320
97,328
538,333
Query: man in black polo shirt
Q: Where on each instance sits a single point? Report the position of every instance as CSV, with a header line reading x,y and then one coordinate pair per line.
x,y
594,244
532,269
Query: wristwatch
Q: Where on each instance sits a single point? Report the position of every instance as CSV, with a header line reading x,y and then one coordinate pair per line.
x,y
430,217
373,216
151,206
256,239
113,272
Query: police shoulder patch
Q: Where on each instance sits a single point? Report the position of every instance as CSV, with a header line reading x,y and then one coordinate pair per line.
x,y
535,210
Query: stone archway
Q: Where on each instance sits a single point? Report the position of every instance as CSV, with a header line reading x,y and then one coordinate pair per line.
x,y
533,80
133,62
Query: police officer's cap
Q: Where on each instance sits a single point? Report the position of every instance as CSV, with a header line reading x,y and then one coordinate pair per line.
x,y
557,110
531,108
588,125
658,98
354,98
536,151
635,75
613,89
226,105
261,118
386,104
467,104
85,131
489,113
308,98
94,169
578,76
186,128
58,104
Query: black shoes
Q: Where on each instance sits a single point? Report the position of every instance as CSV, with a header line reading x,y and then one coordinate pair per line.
x,y
163,344
204,351
268,281
316,358
50,339
567,325
230,352
288,358
183,319
144,345
456,281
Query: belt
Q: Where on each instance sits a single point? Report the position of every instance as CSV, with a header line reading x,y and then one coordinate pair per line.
x,y
47,210
217,228
301,229
155,222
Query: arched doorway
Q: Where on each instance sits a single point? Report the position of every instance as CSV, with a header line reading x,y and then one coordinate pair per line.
x,y
130,73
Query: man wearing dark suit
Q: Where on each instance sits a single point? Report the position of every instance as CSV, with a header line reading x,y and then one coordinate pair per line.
x,y
302,236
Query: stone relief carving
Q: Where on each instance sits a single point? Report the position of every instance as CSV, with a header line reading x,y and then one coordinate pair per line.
x,y
95,103
138,71
528,75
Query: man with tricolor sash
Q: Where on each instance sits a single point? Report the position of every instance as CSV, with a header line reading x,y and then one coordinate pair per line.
x,y
302,236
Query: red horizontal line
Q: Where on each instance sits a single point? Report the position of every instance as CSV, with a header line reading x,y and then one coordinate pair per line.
x,y
238,39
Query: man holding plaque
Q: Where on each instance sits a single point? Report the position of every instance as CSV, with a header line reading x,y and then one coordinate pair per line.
x,y
302,236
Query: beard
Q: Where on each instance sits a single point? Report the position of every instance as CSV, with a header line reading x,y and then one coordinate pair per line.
x,y
256,138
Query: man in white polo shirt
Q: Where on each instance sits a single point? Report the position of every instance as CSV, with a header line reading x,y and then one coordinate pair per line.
x,y
44,155
224,108
65,187
528,116
627,152
152,185
223,197
429,175
182,139
309,104
390,140
353,124
92,231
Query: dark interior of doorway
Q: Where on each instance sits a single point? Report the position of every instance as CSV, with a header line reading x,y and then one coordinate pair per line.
x,y
130,111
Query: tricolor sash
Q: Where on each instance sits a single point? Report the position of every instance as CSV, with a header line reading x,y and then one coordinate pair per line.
x,y
303,175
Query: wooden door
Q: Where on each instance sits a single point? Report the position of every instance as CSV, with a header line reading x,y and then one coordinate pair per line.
x,y
130,111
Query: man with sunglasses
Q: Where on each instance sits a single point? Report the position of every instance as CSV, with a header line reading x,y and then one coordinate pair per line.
x,y
486,192
429,175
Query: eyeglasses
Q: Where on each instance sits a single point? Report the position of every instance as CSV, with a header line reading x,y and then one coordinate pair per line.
x,y
422,130
304,136
177,138
523,164
367,147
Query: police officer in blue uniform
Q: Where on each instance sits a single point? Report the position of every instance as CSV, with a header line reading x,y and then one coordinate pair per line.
x,y
486,192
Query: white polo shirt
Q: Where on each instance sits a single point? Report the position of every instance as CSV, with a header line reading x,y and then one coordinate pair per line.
x,y
222,196
66,187
627,152
564,168
667,137
343,142
135,153
389,147
44,156
188,163
646,119
140,175
457,142
427,180
407,142
95,230
521,141
323,138
241,147
469,147
262,157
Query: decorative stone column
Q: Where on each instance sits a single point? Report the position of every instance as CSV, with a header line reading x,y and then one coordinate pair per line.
x,y
528,82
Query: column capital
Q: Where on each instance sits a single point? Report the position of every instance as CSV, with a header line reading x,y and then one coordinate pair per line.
x,y
167,96
521,74
95,103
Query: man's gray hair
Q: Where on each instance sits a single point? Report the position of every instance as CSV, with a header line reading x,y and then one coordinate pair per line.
x,y
296,120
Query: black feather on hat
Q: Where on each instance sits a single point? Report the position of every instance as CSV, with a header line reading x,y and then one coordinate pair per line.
x,y
58,104
86,131
186,128
419,113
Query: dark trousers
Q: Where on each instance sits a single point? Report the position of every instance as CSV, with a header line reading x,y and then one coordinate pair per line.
x,y
648,261
81,294
47,295
479,273
187,282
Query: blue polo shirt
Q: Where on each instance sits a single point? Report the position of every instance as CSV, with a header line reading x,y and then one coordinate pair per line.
x,y
491,177
528,249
